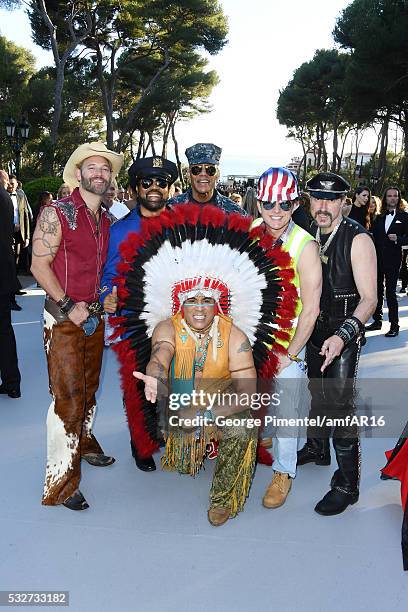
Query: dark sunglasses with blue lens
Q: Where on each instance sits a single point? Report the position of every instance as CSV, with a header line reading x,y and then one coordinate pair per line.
x,y
285,206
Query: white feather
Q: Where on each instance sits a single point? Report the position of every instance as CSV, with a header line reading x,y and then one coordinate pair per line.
x,y
201,259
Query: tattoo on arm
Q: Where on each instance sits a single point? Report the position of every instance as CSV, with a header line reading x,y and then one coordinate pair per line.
x,y
157,346
245,347
45,239
156,368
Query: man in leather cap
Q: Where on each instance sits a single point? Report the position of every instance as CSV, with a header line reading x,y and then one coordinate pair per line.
x,y
349,297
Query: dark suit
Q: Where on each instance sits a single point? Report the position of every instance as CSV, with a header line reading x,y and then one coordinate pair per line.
x,y
9,371
389,255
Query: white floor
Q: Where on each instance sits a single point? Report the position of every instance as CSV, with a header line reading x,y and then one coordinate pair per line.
x,y
145,543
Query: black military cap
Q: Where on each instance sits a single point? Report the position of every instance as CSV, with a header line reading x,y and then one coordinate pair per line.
x,y
327,186
150,167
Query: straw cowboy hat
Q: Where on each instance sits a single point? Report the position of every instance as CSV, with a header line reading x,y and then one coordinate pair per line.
x,y
88,149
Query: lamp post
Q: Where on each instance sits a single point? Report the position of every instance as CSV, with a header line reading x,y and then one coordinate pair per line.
x,y
17,136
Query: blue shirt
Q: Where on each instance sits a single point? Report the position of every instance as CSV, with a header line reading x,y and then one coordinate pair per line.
x,y
119,232
217,199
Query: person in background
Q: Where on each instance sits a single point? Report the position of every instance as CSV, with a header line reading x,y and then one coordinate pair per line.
x,y
120,194
346,207
44,198
178,190
64,191
250,204
237,198
390,233
116,208
9,372
22,232
360,206
374,209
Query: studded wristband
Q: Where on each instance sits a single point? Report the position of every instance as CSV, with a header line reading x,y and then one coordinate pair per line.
x,y
67,306
349,330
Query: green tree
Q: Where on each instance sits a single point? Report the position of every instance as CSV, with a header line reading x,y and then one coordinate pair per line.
x,y
313,104
17,66
163,32
377,76
65,31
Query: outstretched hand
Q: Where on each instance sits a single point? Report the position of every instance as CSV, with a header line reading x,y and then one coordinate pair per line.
x,y
150,386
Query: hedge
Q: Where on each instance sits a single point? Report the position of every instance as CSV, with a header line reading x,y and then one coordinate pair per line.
x,y
33,189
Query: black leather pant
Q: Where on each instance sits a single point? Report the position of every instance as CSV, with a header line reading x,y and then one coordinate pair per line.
x,y
333,397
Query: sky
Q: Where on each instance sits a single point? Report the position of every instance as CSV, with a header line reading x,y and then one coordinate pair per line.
x,y
267,41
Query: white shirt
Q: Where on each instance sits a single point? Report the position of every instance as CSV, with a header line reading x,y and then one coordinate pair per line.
x,y
13,197
388,220
118,209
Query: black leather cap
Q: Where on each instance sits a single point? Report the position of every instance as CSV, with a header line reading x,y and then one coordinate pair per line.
x,y
327,186
150,167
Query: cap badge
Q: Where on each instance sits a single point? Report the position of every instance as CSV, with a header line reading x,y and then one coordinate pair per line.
x,y
327,185
157,162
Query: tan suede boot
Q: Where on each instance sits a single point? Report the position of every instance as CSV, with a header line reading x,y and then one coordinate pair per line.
x,y
277,491
218,516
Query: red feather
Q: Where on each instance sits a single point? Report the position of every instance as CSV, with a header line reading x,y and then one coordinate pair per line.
x,y
133,394
238,222
212,215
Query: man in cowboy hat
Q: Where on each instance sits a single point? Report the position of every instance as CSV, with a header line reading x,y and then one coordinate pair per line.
x,y
70,244
150,178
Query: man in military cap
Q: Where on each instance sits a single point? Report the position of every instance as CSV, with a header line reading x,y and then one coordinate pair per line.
x,y
150,178
203,159
349,297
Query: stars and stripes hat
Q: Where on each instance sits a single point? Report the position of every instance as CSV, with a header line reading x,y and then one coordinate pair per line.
x,y
277,185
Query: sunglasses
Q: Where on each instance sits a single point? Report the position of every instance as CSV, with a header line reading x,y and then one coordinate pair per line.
x,y
209,170
285,206
148,182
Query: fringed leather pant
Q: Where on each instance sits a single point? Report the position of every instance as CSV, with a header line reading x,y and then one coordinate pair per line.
x,y
74,364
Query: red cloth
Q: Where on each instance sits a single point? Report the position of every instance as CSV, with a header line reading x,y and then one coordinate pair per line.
x,y
398,468
82,253
263,456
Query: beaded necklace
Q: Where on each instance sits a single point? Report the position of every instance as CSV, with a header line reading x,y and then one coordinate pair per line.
x,y
201,355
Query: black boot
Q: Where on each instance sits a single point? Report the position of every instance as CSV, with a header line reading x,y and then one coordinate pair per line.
x,y
15,306
346,479
394,331
316,451
374,326
99,460
76,501
146,465
335,502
